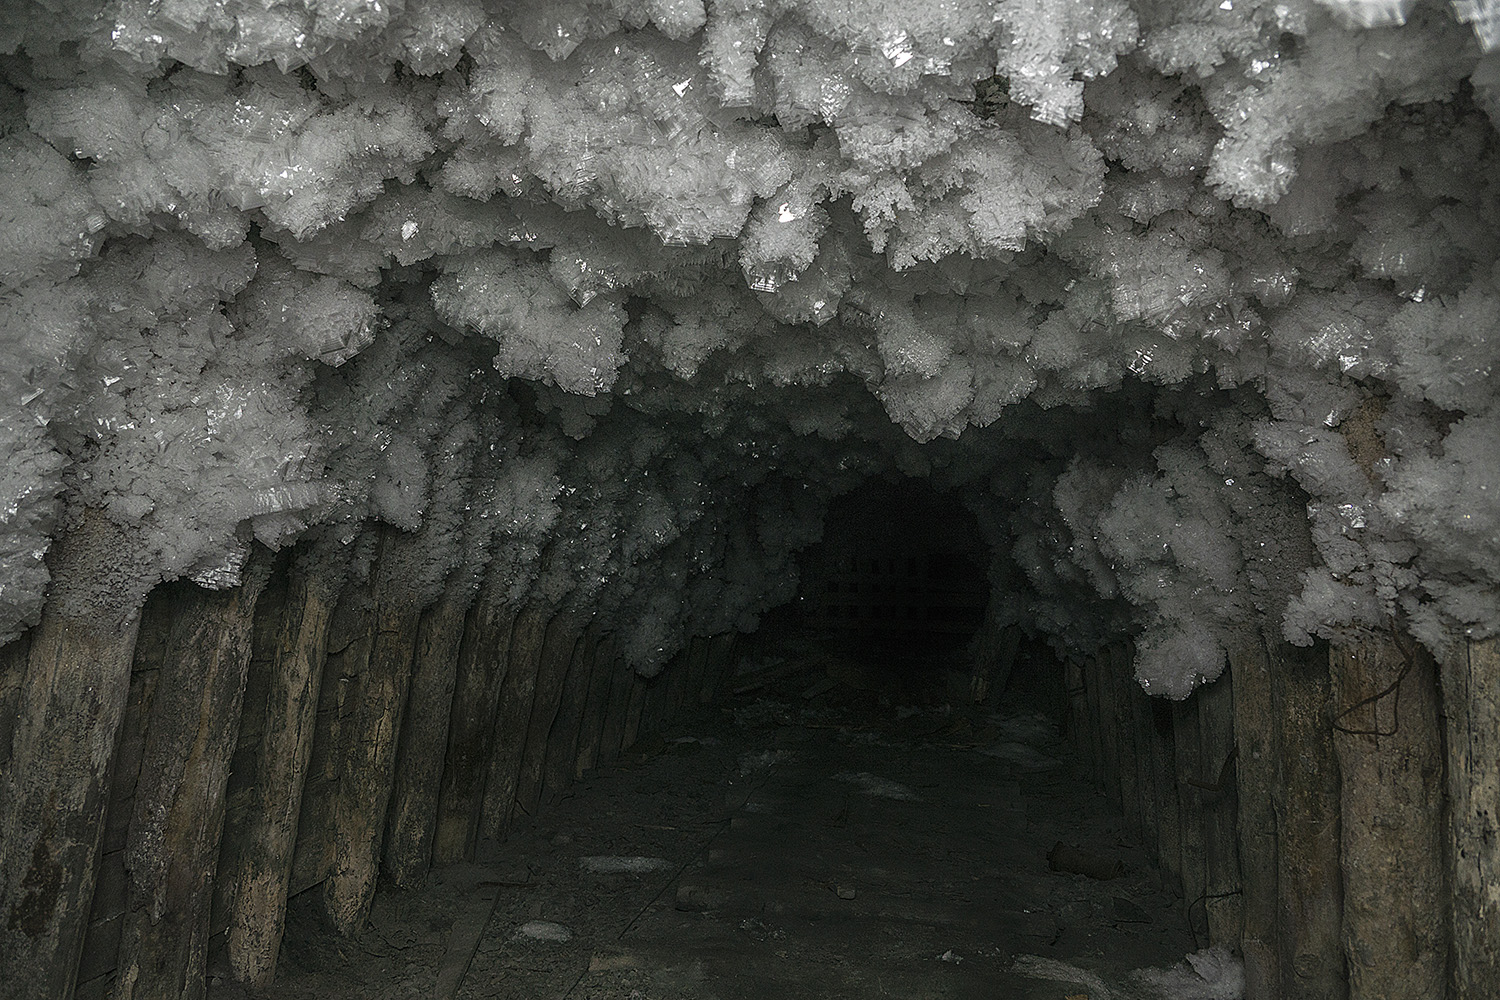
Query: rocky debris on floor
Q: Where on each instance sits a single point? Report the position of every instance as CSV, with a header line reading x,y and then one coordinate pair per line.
x,y
545,930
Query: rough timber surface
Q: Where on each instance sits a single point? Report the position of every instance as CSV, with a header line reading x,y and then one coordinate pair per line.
x,y
785,858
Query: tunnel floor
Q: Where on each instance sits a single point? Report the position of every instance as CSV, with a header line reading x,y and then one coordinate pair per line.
x,y
794,842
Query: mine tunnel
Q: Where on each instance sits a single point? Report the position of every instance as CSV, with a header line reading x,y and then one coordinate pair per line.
x,y
710,500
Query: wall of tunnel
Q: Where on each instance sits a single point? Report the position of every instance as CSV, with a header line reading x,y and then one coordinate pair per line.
x,y
406,408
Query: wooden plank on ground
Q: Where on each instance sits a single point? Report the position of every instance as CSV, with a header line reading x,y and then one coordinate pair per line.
x,y
463,942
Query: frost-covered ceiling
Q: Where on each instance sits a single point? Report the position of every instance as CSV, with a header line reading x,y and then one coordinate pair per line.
x,y
1194,304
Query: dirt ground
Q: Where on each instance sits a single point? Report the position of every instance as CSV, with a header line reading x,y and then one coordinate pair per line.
x,y
795,843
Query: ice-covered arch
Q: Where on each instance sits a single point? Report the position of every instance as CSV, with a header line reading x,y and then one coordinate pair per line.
x,y
594,307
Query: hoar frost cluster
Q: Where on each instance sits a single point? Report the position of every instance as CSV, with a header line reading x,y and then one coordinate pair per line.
x,y
1196,304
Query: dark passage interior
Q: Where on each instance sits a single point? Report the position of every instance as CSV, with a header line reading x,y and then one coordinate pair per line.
x,y
866,796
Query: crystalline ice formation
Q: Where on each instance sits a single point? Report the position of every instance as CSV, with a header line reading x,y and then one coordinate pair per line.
x,y
1193,304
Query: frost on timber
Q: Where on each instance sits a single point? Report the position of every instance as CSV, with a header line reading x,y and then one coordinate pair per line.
x,y
1195,304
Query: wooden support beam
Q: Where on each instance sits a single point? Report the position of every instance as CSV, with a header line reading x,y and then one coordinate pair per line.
x,y
1471,707
1139,727
1124,691
12,674
994,656
1162,750
101,946
511,719
1310,888
1389,743
1075,727
679,674
1223,906
562,742
411,823
635,705
172,852
1190,767
265,795
1258,763
561,639
596,705
720,667
54,788
621,683
1098,703
655,706
367,750
482,660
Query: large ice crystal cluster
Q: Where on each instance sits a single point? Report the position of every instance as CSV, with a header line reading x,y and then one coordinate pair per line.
x,y
1196,305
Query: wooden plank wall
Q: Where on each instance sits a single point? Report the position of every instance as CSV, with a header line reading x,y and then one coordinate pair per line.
x,y
258,734
1329,812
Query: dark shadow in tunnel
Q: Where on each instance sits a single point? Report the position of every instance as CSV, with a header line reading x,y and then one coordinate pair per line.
x,y
894,593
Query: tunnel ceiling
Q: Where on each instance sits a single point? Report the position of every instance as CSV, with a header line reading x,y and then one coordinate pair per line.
x,y
1194,305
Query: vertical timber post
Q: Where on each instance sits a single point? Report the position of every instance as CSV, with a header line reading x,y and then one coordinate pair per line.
x,y
362,793
1187,741
54,789
482,659
562,741
1471,705
412,822
1310,889
511,718
256,861
558,644
172,852
1224,903
1390,763
596,708
1259,768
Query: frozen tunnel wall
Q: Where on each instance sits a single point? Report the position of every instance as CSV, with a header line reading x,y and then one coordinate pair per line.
x,y
594,307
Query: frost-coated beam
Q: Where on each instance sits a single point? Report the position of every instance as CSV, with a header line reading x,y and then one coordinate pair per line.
x,y
172,852
54,789
1389,743
1471,705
